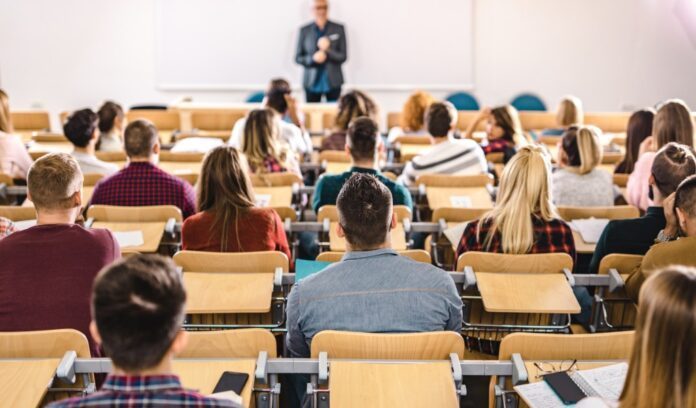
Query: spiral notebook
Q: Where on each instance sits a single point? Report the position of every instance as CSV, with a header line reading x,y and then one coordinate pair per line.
x,y
604,382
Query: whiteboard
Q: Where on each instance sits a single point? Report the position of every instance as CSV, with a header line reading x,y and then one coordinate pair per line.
x,y
241,44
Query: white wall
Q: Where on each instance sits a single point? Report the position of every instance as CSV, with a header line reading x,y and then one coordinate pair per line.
x,y
615,55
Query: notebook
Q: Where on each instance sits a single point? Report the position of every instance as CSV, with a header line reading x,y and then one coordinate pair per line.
x,y
454,234
603,382
305,268
196,145
228,396
590,229
127,239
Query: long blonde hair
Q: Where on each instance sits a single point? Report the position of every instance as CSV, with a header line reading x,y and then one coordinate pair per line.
x,y
569,112
582,148
662,370
5,117
260,139
524,193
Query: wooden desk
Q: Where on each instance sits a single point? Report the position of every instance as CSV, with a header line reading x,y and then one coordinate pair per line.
x,y
526,293
228,292
203,374
152,234
362,384
581,246
338,244
280,196
439,197
24,382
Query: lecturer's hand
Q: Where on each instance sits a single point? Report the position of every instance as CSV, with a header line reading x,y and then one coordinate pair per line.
x,y
323,43
319,57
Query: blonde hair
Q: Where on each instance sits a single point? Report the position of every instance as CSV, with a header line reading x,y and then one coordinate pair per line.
x,y
260,139
582,148
569,112
53,181
673,123
662,370
5,117
413,112
524,193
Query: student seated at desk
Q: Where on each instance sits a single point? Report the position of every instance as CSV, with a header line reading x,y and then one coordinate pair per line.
x,y
137,312
14,157
662,368
229,220
363,145
673,123
677,241
672,164
372,289
141,182
280,101
7,227
640,126
503,131
82,131
263,149
578,182
449,155
412,117
569,113
47,270
111,122
351,105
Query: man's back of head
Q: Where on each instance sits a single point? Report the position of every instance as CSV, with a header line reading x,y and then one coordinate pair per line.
x,y
363,139
80,127
440,118
141,140
365,213
54,183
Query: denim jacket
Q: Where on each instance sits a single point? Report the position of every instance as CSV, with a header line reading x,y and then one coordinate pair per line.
x,y
371,291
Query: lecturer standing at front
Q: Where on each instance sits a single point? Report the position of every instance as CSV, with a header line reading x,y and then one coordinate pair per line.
x,y
321,49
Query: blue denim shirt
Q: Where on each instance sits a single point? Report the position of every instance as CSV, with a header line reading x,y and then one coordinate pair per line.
x,y
321,85
372,291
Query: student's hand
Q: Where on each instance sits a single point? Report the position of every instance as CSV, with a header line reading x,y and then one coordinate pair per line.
x,y
319,57
323,43
292,102
484,114
671,222
647,145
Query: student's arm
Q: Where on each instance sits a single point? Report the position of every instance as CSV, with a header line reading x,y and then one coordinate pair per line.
x,y
454,304
568,242
302,57
601,249
237,134
317,199
338,54
403,197
483,115
468,240
294,339
281,240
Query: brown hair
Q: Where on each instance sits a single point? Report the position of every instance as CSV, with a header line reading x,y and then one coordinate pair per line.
x,y
362,139
507,118
662,369
5,117
354,104
413,112
140,138
260,132
440,118
640,126
685,197
108,114
53,181
673,163
582,148
225,189
364,211
673,123
569,112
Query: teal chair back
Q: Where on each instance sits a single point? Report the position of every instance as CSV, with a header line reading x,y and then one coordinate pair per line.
x,y
528,102
464,101
256,97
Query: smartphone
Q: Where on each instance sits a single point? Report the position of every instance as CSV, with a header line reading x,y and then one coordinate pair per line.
x,y
564,387
231,381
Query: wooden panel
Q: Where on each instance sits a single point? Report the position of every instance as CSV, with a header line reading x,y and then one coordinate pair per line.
x,y
220,120
619,212
418,255
239,343
529,263
608,121
446,180
398,238
331,212
280,196
526,293
43,343
23,383
537,120
167,120
262,261
203,375
439,197
152,234
26,120
285,179
391,346
228,292
458,215
15,213
535,346
154,213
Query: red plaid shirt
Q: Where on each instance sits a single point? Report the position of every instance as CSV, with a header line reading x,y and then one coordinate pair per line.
x,y
551,236
6,227
270,165
499,145
143,184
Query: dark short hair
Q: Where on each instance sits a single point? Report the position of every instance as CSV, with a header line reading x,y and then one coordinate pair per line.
x,y
108,113
275,95
362,137
80,127
364,211
672,164
438,119
685,196
138,306
140,137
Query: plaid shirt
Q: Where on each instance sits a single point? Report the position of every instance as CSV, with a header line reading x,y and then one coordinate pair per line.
x,y
270,165
551,236
7,227
143,184
499,145
145,391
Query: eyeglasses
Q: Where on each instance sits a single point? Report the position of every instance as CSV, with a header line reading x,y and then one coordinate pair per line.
x,y
550,368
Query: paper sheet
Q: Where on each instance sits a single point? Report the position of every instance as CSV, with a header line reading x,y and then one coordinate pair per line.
x,y
196,145
129,238
607,381
228,396
22,225
590,229
460,201
263,200
539,395
454,234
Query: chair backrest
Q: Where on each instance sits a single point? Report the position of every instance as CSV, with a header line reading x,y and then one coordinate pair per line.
x,y
418,255
330,212
15,213
507,263
328,119
6,179
242,343
47,137
112,156
447,180
463,101
163,119
619,212
608,121
154,213
216,120
231,262
623,263
534,120
528,102
285,213
25,120
275,179
451,214
393,119
43,344
621,180
598,346
91,179
496,158
392,346
188,157
414,140
336,156
255,97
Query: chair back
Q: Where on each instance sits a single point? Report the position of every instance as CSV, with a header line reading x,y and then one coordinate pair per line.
x,y
187,157
335,156
452,214
534,120
286,213
528,102
447,180
537,346
619,212
621,180
91,179
112,156
392,346
507,263
414,140
418,255
623,263
43,344
163,119
6,179
393,119
216,120
47,137
255,97
616,122
241,343
463,101
154,213
330,212
275,179
27,120
15,213
231,262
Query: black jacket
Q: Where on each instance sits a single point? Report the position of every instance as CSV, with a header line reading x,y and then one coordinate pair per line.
x,y
335,55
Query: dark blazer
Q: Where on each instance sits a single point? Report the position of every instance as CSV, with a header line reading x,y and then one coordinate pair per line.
x,y
335,55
